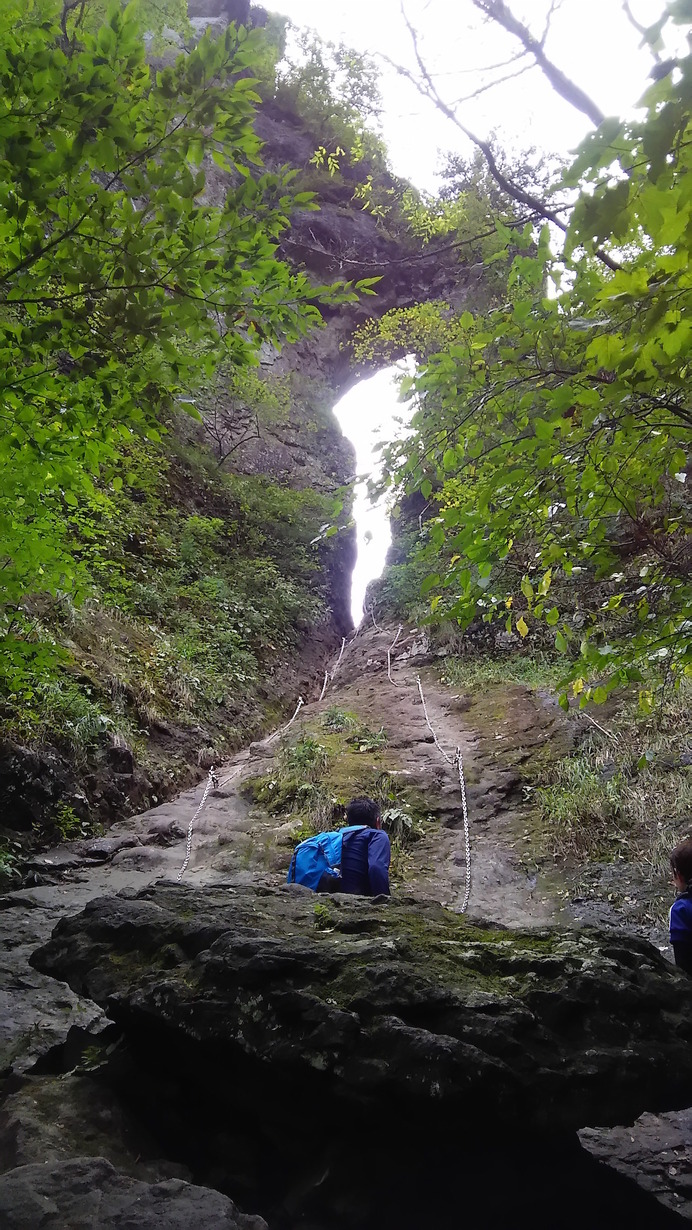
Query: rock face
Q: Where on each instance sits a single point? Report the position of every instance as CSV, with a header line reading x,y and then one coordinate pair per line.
x,y
90,1192
56,1119
32,783
35,1014
388,1005
656,1152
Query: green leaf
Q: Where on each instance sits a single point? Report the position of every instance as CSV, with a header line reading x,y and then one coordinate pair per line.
x,y
430,582
542,429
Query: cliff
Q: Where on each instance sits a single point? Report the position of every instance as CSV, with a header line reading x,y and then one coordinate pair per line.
x,y
214,601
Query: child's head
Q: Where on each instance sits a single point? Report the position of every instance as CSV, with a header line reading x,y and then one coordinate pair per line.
x,y
681,863
366,811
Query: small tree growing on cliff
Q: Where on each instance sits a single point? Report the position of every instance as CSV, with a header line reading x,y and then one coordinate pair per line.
x,y
236,407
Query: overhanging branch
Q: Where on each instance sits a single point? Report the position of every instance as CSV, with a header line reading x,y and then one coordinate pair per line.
x,y
498,12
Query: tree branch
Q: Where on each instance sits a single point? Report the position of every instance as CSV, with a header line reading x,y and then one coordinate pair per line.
x,y
490,85
554,4
639,28
426,86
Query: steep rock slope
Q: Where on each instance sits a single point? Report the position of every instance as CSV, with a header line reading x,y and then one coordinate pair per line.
x,y
248,1015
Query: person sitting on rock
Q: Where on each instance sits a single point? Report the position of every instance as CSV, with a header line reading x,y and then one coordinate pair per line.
x,y
681,909
365,854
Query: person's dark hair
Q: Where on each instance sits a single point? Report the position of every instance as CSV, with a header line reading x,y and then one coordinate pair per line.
x,y
681,860
364,811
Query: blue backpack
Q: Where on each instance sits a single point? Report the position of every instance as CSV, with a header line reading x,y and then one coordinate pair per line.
x,y
318,856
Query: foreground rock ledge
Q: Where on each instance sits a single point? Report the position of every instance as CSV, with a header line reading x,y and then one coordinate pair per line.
x,y
89,1192
400,1004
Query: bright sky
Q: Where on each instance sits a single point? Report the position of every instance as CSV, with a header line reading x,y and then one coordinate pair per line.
x,y
590,40
365,414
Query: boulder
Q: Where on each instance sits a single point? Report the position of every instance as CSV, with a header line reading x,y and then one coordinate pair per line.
x,y
90,1192
402,1004
655,1152
49,1118
121,759
37,1015
32,782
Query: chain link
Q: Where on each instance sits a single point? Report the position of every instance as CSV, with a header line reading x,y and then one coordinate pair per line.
x,y
389,655
467,837
338,660
449,759
211,781
458,762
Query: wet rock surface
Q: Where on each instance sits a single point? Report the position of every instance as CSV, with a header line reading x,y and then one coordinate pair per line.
x,y
401,1004
90,1192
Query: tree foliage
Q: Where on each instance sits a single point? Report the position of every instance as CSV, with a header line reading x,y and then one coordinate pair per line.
x,y
120,286
153,16
553,434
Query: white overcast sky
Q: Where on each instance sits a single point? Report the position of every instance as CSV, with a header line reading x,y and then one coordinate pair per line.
x,y
590,40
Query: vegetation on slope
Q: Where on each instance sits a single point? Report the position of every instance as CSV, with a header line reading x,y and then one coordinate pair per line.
x,y
550,436
148,601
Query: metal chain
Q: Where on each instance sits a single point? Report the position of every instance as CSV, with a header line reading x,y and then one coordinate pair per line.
x,y
338,660
282,729
467,838
211,781
454,760
389,655
230,777
449,759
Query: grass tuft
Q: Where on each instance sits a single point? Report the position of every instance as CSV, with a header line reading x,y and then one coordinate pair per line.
x,y
626,794
476,672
